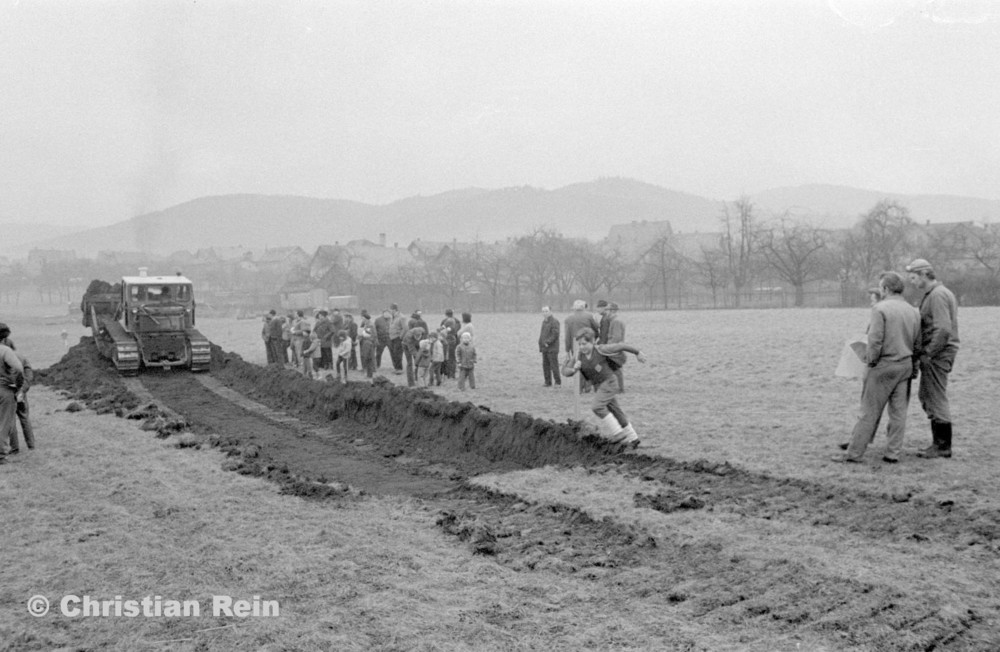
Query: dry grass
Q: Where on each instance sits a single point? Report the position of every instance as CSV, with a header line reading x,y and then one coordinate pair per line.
x,y
104,509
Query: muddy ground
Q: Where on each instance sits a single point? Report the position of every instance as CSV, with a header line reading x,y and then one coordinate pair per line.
x,y
321,440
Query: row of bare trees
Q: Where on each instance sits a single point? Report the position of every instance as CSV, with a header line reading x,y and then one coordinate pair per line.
x,y
750,254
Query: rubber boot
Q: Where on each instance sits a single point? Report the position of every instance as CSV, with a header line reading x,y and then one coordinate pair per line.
x,y
945,446
935,441
941,447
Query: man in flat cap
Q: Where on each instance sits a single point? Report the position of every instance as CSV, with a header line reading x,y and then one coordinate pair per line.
x,y
938,347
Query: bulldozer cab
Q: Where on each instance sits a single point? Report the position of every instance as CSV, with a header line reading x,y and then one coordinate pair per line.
x,y
157,304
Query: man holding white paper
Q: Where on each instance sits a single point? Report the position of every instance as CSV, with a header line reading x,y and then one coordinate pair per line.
x,y
893,339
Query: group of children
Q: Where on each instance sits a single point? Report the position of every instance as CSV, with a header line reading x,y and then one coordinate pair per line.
x,y
429,361
432,355
311,345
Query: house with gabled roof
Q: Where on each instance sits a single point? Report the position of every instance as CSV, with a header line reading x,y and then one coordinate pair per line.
x,y
282,259
636,237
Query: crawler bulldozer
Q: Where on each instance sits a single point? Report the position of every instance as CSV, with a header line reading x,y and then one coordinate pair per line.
x,y
146,321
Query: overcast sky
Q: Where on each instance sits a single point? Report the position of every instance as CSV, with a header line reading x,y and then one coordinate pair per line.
x,y
113,109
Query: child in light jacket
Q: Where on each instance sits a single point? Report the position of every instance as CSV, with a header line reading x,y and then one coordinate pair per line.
x,y
438,354
465,355
344,353
310,350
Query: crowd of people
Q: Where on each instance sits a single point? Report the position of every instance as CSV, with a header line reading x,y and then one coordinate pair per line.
x,y
904,343
16,377
333,344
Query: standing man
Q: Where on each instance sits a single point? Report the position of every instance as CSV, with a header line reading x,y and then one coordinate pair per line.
x,y
11,381
615,334
23,413
573,324
265,334
411,349
397,328
939,345
381,328
274,330
451,342
548,344
602,310
324,332
417,320
893,339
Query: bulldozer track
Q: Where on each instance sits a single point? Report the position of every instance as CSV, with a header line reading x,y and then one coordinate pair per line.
x,y
277,416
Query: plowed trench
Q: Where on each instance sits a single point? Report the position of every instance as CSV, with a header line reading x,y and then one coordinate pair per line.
x,y
338,451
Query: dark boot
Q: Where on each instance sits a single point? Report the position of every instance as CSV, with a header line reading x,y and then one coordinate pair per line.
x,y
935,443
941,447
945,447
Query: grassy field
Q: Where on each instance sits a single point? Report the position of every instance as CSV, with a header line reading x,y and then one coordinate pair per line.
x,y
755,388
105,509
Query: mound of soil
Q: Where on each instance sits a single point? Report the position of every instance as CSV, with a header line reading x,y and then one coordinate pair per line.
x,y
410,419
87,377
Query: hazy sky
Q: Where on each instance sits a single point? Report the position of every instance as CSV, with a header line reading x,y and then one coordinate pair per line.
x,y
113,109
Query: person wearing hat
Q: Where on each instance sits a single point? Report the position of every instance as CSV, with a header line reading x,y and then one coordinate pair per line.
x,y
938,348
573,324
11,381
602,320
615,334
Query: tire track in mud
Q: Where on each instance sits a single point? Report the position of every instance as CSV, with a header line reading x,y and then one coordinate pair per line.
x,y
398,441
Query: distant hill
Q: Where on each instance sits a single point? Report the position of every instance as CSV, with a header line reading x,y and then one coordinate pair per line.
x,y
840,206
579,210
14,235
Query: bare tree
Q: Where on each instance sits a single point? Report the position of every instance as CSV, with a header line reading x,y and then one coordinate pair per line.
x,y
738,243
491,266
589,267
880,240
663,266
796,252
615,270
714,272
535,263
566,257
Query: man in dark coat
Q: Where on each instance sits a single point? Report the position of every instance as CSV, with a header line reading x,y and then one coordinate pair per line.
x,y
274,341
411,349
451,342
938,348
548,344
381,335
